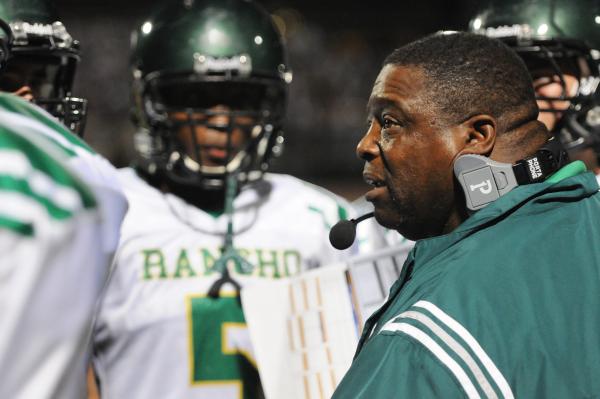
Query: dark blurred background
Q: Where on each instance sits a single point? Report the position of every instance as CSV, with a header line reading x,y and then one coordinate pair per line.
x,y
335,50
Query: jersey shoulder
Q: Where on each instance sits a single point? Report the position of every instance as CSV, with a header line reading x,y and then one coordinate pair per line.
x,y
21,113
143,200
311,196
36,184
23,117
135,187
89,169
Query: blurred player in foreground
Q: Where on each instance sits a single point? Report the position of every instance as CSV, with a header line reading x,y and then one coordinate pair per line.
x,y
60,212
559,40
210,84
499,296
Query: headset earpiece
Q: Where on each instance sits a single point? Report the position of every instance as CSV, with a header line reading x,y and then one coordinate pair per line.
x,y
484,180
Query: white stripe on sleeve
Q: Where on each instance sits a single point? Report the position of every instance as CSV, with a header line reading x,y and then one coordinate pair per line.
x,y
438,352
456,347
473,344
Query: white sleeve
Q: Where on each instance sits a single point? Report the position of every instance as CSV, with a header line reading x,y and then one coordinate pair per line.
x,y
50,278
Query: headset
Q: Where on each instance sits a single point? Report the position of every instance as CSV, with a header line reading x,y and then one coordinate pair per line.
x,y
484,180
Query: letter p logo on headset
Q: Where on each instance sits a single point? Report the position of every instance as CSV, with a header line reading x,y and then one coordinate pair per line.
x,y
484,180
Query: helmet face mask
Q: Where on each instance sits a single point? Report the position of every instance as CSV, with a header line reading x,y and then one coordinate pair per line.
x,y
577,73
577,106
558,41
219,110
246,112
555,64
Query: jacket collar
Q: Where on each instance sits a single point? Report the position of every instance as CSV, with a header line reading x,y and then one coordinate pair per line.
x,y
570,182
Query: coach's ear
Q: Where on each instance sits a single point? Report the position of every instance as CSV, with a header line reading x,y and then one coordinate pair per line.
x,y
478,134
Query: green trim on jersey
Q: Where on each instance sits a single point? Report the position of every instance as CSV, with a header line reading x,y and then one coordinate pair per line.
x,y
9,183
320,212
24,229
342,212
46,165
213,324
12,103
215,214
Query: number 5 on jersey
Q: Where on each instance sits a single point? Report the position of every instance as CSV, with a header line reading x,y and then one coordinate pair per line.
x,y
221,359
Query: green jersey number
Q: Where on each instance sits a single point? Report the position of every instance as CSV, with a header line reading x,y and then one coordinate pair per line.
x,y
221,359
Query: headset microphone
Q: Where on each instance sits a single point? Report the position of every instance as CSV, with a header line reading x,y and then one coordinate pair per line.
x,y
343,233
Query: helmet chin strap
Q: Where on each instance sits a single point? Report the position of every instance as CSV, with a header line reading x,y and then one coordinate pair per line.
x,y
230,256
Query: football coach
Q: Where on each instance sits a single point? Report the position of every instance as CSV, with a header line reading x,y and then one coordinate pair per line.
x,y
500,296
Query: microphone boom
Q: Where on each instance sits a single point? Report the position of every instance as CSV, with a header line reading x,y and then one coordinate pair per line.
x,y
343,233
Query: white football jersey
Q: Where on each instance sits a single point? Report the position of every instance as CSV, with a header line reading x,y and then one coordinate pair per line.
x,y
55,254
94,169
158,335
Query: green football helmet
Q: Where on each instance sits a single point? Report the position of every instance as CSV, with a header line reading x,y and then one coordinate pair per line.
x,y
555,38
193,56
43,56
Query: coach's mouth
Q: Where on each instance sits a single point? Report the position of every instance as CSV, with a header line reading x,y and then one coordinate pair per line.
x,y
379,186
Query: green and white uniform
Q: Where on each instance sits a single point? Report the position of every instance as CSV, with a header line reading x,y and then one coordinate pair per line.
x,y
158,335
56,242
507,305
93,169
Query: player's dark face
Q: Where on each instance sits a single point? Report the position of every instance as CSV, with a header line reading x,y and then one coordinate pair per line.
x,y
207,139
30,77
408,152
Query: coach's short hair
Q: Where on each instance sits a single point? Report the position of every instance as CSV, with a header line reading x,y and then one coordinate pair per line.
x,y
469,74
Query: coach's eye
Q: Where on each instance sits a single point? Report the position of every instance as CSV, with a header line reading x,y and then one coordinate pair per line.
x,y
387,122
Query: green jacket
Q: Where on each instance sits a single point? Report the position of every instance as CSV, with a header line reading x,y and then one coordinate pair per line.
x,y
507,305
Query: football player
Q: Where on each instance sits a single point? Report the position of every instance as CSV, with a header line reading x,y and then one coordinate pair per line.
x,y
559,40
60,213
43,60
210,82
